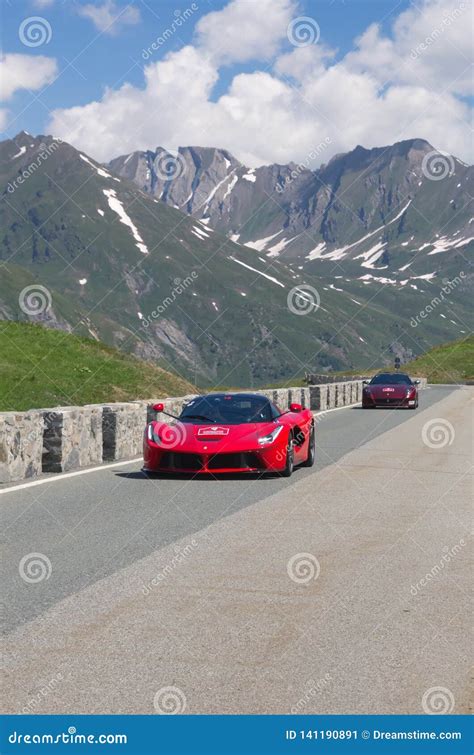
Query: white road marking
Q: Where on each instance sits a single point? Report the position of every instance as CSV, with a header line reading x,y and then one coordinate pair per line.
x,y
64,475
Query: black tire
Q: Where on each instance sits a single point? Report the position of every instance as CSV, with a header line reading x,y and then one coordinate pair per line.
x,y
310,459
290,459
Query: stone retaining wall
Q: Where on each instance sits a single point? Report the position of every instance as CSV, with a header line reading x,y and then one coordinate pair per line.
x,y
72,437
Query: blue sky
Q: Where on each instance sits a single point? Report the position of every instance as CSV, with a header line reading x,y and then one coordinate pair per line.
x,y
103,60
91,61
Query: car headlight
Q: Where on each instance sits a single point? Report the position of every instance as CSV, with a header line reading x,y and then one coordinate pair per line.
x,y
151,434
270,437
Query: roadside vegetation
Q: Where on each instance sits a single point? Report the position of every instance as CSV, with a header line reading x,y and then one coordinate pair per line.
x,y
449,363
41,368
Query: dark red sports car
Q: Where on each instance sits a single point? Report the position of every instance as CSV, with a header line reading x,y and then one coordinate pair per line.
x,y
231,432
390,390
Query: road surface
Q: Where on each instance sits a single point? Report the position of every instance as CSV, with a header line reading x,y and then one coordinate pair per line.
x,y
344,589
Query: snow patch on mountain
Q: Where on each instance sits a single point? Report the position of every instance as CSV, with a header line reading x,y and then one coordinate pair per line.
x,y
259,272
116,205
260,244
100,171
371,256
20,153
250,176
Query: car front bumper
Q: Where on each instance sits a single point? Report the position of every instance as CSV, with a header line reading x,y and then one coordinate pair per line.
x,y
270,459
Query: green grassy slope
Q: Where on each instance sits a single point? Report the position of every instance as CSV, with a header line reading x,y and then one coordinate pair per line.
x,y
40,367
449,363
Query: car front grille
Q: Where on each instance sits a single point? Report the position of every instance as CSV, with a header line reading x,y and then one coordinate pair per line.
x,y
174,461
234,461
390,401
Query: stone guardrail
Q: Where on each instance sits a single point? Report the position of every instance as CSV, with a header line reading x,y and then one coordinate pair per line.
x,y
68,438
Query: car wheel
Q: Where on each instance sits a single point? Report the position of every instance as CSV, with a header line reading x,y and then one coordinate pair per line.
x,y
290,459
310,459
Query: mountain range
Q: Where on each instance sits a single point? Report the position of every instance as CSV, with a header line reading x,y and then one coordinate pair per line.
x,y
203,265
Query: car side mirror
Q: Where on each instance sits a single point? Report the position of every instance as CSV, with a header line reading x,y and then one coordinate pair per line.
x,y
365,382
417,382
296,408
158,407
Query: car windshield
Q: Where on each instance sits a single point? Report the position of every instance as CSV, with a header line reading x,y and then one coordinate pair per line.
x,y
229,410
389,379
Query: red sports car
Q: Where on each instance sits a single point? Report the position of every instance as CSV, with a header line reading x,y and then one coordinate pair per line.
x,y
231,432
390,389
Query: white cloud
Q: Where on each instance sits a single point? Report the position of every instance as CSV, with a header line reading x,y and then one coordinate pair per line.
x,y
245,30
431,46
109,17
24,72
379,93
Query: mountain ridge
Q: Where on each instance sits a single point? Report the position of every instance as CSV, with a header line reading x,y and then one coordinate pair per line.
x,y
118,265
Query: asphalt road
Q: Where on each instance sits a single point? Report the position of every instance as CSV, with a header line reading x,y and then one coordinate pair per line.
x,y
200,584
